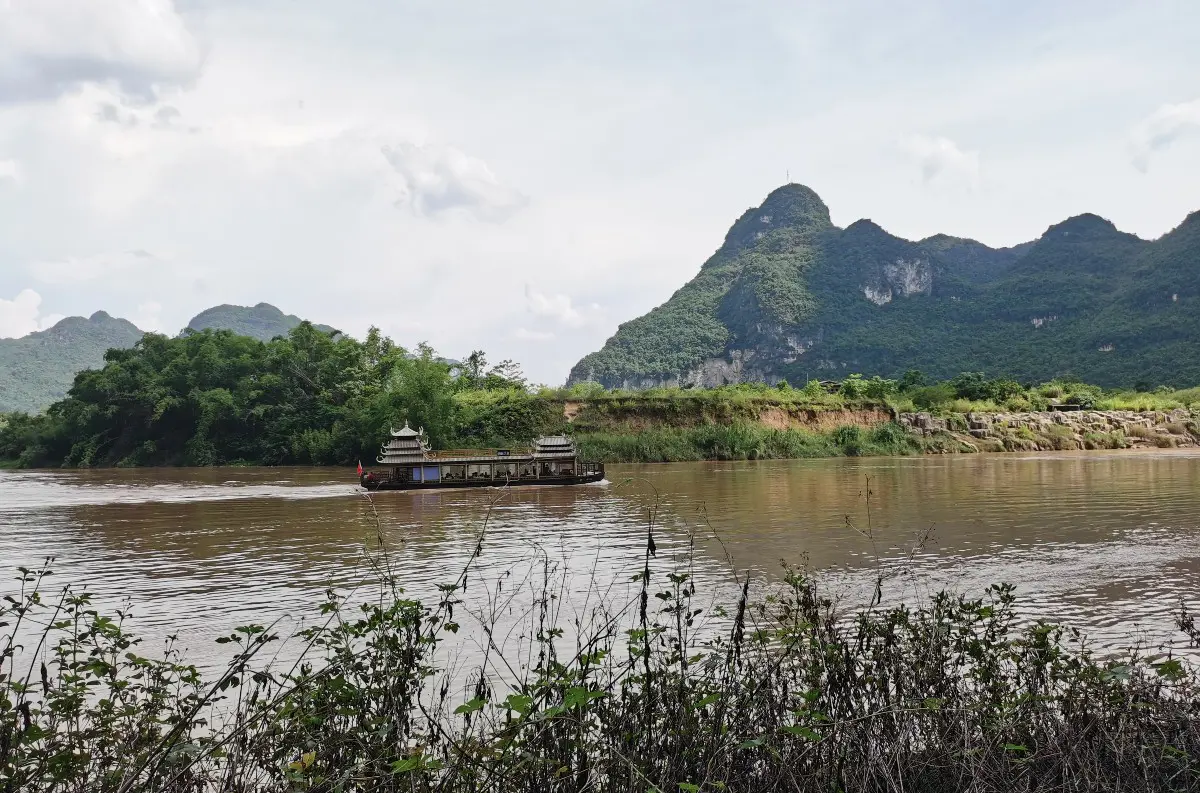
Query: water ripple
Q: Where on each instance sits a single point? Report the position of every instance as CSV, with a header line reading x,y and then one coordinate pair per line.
x,y
1110,542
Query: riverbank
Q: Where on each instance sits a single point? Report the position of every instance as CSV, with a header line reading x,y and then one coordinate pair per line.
x,y
1058,430
632,430
734,426
340,415
650,430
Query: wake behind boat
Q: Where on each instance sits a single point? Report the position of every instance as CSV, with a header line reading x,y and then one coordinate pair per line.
x,y
409,464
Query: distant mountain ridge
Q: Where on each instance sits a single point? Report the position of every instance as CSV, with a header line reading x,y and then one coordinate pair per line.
x,y
38,369
263,321
789,295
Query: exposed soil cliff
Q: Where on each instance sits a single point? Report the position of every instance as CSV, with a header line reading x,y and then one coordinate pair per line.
x,y
640,413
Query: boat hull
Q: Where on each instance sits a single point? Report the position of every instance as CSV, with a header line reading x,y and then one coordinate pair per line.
x,y
584,479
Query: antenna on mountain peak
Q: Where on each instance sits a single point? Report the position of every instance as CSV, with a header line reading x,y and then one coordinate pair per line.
x,y
788,178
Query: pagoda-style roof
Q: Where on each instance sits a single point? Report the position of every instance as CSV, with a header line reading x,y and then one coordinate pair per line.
x,y
407,431
405,446
553,445
409,447
555,440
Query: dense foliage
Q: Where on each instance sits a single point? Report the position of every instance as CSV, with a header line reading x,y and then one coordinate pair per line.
x,y
669,691
37,369
214,397
793,297
748,441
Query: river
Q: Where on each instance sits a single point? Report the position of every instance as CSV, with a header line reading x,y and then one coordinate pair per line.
x,y
1109,542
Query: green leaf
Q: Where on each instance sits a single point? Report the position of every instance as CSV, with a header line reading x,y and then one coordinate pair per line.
x,y
520,703
406,765
471,706
578,696
1170,670
1119,672
802,732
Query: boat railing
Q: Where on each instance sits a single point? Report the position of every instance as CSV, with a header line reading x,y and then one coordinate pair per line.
x,y
580,469
587,469
489,454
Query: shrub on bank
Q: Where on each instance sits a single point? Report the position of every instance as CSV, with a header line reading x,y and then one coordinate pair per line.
x,y
737,441
743,440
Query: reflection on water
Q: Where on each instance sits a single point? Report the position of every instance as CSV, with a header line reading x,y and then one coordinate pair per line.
x,y
1110,541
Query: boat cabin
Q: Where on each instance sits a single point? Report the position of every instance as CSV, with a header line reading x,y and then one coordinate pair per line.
x,y
409,460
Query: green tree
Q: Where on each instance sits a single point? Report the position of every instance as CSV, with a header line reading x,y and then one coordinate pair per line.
x,y
853,387
912,379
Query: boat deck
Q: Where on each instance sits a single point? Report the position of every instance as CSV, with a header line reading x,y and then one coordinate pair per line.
x,y
584,473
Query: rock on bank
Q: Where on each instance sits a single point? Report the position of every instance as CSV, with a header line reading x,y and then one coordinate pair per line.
x,y
1060,431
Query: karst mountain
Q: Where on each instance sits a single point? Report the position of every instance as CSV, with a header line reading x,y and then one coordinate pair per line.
x,y
790,296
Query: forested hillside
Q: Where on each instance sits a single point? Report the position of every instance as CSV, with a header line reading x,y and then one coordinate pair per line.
x,y
37,369
788,295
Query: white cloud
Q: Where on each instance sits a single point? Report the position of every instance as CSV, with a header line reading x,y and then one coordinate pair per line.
x,y
148,316
524,334
1162,128
441,179
22,315
99,267
559,307
941,159
10,171
49,46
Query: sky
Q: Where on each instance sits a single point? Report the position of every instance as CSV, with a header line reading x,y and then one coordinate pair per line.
x,y
522,177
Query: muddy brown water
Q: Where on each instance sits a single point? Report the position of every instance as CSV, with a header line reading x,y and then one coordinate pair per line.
x,y
1109,542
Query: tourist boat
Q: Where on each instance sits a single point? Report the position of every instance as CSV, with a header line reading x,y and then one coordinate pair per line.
x,y
409,464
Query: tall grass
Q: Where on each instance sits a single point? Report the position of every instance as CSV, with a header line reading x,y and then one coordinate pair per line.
x,y
744,441
1159,400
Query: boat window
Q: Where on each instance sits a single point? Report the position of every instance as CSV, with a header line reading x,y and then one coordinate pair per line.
x,y
453,472
479,472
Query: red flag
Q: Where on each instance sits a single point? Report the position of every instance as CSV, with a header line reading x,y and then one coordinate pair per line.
x,y
360,467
